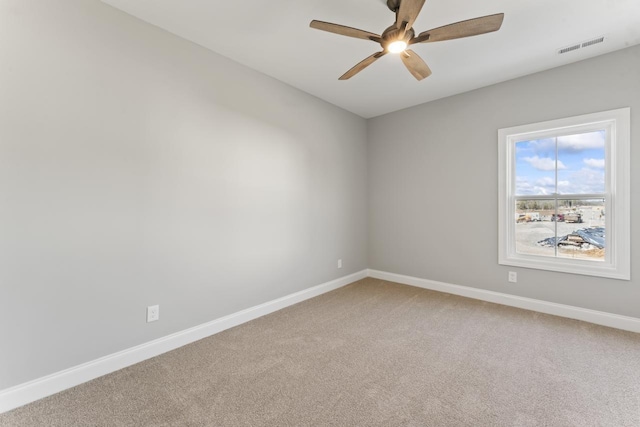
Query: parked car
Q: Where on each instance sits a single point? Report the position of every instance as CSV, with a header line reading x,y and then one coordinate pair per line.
x,y
528,217
573,217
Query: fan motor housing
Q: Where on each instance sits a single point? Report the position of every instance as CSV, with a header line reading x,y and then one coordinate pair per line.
x,y
393,33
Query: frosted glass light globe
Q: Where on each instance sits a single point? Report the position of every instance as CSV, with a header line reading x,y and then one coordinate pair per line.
x,y
397,47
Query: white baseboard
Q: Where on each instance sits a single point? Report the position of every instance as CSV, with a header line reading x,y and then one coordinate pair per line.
x,y
592,316
42,387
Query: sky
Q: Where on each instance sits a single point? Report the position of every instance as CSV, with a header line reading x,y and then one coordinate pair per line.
x,y
580,165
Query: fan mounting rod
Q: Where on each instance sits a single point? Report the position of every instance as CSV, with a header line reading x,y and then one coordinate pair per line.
x,y
393,5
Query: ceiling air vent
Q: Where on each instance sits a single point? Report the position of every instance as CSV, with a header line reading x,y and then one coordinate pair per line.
x,y
569,49
580,45
592,42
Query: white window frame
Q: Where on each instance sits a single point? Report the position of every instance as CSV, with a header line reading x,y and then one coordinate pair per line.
x,y
617,263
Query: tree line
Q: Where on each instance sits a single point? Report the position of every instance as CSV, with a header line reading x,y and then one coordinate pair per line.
x,y
548,205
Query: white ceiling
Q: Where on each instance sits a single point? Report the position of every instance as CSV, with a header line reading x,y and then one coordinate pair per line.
x,y
274,37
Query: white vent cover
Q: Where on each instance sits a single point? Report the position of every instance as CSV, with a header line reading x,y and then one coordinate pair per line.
x,y
592,42
569,49
581,45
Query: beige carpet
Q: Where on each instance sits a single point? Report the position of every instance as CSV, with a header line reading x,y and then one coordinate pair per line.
x,y
372,354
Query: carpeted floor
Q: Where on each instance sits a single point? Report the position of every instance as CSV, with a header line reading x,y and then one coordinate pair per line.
x,y
373,353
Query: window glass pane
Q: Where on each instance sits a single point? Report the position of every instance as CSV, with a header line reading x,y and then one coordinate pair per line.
x,y
581,163
534,223
579,224
535,167
581,234
580,230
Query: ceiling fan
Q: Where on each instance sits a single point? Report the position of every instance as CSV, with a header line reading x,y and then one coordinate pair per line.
x,y
399,36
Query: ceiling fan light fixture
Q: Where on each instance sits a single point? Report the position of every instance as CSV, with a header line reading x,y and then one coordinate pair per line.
x,y
397,37
397,46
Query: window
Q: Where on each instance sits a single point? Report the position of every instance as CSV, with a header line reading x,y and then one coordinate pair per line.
x,y
564,195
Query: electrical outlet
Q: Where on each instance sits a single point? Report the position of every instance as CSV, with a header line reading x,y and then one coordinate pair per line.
x,y
513,277
340,263
153,313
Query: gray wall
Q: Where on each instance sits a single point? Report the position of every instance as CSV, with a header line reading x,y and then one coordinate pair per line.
x,y
433,181
137,168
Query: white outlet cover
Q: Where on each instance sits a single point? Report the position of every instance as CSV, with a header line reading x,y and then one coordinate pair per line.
x,y
340,263
153,313
513,277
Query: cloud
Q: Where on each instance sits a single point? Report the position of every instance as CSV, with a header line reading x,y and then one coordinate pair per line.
x,y
584,181
544,147
581,142
594,163
546,181
541,187
544,163
566,144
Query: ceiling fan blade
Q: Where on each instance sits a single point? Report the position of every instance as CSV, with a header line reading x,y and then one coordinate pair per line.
x,y
362,65
470,27
344,31
416,66
408,12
